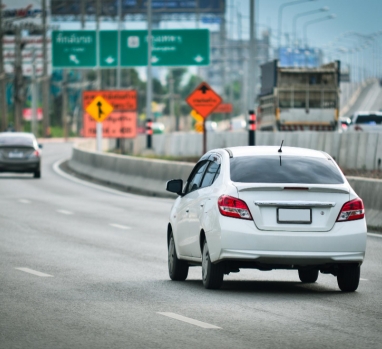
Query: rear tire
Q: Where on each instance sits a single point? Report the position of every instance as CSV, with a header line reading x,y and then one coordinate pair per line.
x,y
177,269
37,174
308,276
212,274
348,277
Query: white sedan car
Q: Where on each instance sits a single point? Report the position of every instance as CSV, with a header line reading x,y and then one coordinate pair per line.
x,y
266,208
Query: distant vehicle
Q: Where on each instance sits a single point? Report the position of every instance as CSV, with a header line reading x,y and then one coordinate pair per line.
x,y
366,121
237,125
345,122
298,99
211,126
20,152
259,208
158,128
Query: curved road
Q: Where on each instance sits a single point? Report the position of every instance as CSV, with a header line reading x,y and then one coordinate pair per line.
x,y
104,281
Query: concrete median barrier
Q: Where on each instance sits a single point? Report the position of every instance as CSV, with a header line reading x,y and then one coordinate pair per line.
x,y
148,177
134,174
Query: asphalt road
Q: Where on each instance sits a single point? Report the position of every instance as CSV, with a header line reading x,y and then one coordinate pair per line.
x,y
106,256
370,99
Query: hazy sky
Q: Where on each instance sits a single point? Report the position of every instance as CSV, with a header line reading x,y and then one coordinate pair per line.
x,y
364,16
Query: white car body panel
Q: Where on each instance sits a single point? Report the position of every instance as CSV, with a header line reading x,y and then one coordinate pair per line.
x,y
263,239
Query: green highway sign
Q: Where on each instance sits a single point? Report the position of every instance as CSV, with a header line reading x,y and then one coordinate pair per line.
x,y
172,47
108,55
74,49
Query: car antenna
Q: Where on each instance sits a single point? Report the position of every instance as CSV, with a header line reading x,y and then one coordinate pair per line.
x,y
280,150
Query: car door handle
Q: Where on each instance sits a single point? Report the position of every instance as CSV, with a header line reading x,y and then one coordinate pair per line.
x,y
187,211
201,205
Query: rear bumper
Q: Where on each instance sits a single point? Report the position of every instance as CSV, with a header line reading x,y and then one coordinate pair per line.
x,y
240,240
25,165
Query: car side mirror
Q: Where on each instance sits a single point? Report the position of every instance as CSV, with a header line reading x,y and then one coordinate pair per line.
x,y
175,186
40,146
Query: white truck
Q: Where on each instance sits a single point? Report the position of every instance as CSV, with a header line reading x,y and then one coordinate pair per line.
x,y
297,99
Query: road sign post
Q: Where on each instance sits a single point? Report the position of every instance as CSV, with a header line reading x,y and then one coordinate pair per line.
x,y
204,100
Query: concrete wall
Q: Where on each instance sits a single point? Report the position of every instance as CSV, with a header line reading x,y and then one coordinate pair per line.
x,y
133,174
149,177
352,150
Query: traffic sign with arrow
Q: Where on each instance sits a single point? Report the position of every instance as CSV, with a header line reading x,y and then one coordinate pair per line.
x,y
99,109
204,99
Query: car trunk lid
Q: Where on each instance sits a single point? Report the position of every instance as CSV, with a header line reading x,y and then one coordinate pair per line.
x,y
296,207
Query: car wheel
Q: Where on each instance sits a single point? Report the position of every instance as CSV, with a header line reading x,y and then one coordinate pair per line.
x,y
37,174
308,276
348,277
212,274
177,269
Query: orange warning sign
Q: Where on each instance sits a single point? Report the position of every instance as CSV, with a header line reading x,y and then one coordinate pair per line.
x,y
204,100
119,100
120,108
223,108
119,124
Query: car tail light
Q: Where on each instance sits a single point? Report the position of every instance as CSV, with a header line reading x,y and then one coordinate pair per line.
x,y
351,211
357,128
233,207
35,154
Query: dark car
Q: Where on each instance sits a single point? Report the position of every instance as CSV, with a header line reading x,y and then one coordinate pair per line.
x,y
20,152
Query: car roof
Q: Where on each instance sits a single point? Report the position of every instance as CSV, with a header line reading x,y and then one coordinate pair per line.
x,y
16,134
368,113
273,150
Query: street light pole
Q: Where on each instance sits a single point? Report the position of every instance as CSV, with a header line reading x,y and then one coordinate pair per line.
x,y
281,9
307,24
303,14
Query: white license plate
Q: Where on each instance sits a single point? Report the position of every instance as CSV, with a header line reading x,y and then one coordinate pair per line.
x,y
294,215
16,155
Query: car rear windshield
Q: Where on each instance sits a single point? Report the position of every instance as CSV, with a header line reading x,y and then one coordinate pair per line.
x,y
284,169
370,119
16,140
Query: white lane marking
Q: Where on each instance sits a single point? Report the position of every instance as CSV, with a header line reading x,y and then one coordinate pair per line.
x,y
375,235
24,201
119,226
56,168
189,320
363,279
35,272
64,212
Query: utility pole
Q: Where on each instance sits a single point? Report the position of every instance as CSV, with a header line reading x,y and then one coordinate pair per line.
x,y
231,60
252,56
119,44
252,75
3,86
98,15
149,75
99,124
65,103
172,102
34,94
18,86
223,44
45,77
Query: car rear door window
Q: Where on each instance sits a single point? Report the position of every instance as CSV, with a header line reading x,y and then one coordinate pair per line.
x,y
284,169
370,119
196,177
210,175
